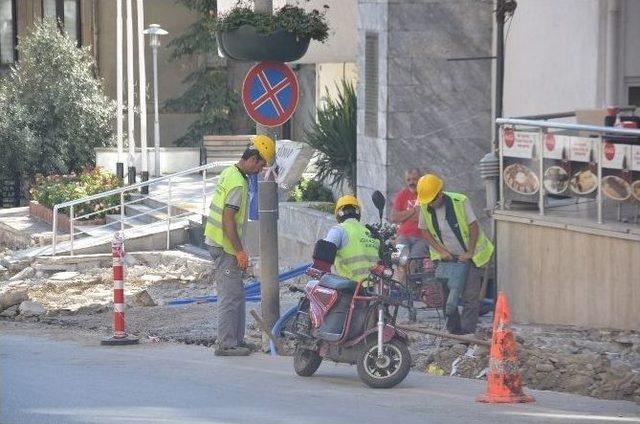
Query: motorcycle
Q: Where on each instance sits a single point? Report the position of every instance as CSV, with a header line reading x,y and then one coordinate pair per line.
x,y
351,322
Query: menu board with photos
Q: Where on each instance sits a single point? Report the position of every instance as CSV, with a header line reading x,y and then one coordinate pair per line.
x,y
518,151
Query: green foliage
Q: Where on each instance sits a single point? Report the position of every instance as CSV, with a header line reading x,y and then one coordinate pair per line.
x,y
53,111
54,189
311,191
290,18
334,136
208,93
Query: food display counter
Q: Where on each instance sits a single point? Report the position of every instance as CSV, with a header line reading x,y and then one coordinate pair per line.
x,y
567,225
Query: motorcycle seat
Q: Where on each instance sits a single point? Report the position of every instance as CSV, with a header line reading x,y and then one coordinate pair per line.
x,y
336,282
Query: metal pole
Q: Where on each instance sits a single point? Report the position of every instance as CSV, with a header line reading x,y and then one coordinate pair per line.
x,y
142,87
156,123
541,171
204,192
122,212
500,178
130,96
169,218
71,216
268,208
119,166
55,231
599,195
499,63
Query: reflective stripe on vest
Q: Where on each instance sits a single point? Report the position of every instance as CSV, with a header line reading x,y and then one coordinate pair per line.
x,y
484,247
229,179
354,261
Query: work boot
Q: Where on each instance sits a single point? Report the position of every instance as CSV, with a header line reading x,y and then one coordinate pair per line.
x,y
232,351
250,346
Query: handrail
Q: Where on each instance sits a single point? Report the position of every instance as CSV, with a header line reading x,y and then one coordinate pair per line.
x,y
121,190
604,134
559,115
563,126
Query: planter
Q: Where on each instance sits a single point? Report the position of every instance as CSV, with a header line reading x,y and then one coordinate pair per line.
x,y
247,45
45,214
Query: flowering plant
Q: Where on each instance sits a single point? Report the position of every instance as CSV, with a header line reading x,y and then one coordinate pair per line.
x,y
54,189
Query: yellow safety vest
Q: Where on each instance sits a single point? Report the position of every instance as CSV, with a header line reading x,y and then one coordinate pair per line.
x,y
484,247
354,261
229,179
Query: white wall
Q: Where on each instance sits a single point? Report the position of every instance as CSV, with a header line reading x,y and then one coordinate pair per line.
x,y
341,16
172,159
554,57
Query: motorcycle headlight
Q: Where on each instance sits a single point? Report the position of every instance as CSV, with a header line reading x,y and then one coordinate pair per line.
x,y
401,254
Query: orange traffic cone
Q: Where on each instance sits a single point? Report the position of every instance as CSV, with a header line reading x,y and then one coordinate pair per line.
x,y
503,382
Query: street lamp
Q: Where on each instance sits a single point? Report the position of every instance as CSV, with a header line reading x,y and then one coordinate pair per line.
x,y
154,31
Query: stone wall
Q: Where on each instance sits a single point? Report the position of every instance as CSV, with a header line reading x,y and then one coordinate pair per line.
x,y
434,114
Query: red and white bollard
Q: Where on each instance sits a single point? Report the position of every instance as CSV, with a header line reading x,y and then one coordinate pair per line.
x,y
120,337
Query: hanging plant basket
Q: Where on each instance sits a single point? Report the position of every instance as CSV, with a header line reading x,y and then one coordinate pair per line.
x,y
248,45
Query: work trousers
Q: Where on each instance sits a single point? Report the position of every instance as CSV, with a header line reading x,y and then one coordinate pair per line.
x,y
467,321
231,298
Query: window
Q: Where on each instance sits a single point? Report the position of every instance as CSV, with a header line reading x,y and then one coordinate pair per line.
x,y
7,32
634,96
67,12
371,85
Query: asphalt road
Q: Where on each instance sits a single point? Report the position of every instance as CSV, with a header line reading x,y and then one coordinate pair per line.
x,y
50,375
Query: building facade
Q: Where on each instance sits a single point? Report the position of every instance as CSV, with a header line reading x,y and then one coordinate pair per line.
x,y
417,107
574,54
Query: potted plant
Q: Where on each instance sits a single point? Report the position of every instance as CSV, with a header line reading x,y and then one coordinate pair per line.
x,y
284,36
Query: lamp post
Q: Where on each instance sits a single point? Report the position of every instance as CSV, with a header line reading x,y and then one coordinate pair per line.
x,y
154,31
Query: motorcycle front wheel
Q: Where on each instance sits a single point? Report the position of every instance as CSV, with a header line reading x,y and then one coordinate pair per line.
x,y
386,371
306,362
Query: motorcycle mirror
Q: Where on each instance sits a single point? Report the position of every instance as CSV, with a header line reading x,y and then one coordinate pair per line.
x,y
379,201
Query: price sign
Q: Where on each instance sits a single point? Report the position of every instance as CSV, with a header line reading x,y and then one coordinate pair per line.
x,y
518,144
580,149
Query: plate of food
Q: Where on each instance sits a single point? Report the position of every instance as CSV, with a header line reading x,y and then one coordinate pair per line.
x,y
615,188
521,179
556,180
635,189
584,182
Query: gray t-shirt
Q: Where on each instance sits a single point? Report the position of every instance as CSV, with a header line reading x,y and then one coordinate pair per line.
x,y
234,200
449,238
338,236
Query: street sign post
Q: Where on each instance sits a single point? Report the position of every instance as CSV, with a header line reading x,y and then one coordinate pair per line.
x,y
270,93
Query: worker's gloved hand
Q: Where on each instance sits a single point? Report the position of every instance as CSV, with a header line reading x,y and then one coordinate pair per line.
x,y
243,259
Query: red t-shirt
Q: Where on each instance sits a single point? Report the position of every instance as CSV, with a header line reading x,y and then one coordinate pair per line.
x,y
403,201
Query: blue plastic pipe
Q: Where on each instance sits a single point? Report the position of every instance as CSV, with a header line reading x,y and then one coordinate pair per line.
x,y
252,290
277,327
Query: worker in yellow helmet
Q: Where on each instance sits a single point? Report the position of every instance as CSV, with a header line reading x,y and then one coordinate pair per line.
x,y
453,232
357,249
223,235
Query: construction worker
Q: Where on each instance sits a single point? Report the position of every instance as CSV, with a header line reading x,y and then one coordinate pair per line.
x,y
357,250
452,230
405,212
223,235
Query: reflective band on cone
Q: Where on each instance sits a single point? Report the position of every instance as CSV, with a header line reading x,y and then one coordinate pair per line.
x,y
119,337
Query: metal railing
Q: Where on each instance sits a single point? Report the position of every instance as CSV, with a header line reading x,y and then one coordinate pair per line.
x,y
543,127
165,209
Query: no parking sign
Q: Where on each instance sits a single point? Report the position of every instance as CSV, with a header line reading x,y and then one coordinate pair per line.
x,y
270,93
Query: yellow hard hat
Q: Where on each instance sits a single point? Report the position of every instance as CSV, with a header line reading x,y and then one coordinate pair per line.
x,y
347,200
265,146
428,187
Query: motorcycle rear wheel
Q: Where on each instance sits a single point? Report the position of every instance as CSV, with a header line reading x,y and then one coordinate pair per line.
x,y
389,374
306,362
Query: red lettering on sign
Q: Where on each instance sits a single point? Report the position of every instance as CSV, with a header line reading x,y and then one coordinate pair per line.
x,y
550,142
509,137
609,151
